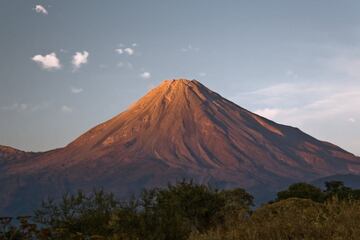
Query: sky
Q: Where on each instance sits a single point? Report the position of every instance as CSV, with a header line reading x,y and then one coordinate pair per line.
x,y
66,66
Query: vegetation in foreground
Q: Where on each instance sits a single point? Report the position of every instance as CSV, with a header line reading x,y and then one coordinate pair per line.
x,y
195,212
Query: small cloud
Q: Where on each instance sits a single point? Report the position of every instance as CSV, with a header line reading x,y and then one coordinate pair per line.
x,y
41,9
66,109
134,44
76,90
145,75
80,59
25,107
16,107
269,113
125,64
202,74
129,51
119,51
290,73
189,48
48,62
352,120
347,65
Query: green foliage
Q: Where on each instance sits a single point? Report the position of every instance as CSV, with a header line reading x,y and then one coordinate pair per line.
x,y
176,211
195,212
337,189
295,219
302,190
79,214
23,230
333,189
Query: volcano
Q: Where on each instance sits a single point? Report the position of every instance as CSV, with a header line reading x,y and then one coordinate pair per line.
x,y
179,130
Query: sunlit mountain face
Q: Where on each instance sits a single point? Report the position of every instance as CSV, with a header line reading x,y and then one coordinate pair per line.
x,y
179,130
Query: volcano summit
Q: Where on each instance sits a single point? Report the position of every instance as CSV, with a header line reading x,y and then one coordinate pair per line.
x,y
180,129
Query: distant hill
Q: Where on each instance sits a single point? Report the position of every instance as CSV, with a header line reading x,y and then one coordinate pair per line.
x,y
180,129
349,180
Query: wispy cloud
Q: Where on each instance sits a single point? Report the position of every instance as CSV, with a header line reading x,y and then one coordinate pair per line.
x,y
119,51
270,113
41,9
352,120
202,74
76,90
66,109
128,65
299,104
129,51
346,65
23,107
48,62
79,59
190,48
145,75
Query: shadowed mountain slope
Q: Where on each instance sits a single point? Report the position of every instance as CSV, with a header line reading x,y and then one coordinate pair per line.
x,y
180,129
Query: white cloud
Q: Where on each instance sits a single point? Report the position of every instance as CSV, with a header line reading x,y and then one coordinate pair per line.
x,y
145,75
352,120
41,9
299,104
291,74
189,48
19,107
269,113
202,74
25,107
76,90
326,110
66,109
128,65
347,65
119,51
48,62
80,59
129,51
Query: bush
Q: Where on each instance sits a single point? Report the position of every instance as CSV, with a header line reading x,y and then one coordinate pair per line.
x,y
197,212
302,190
177,211
79,214
295,219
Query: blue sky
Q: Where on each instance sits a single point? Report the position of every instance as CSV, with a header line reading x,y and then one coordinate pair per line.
x,y
67,65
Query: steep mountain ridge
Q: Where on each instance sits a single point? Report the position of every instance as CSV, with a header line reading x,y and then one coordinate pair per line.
x,y
180,129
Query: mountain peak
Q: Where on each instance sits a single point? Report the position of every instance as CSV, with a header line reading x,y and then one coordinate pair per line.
x,y
174,92
178,81
180,129
176,85
182,123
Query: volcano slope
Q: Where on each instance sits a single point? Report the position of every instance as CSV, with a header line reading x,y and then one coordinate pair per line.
x,y
179,130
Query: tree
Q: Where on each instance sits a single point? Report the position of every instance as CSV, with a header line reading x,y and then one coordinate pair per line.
x,y
177,210
302,190
338,190
81,214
